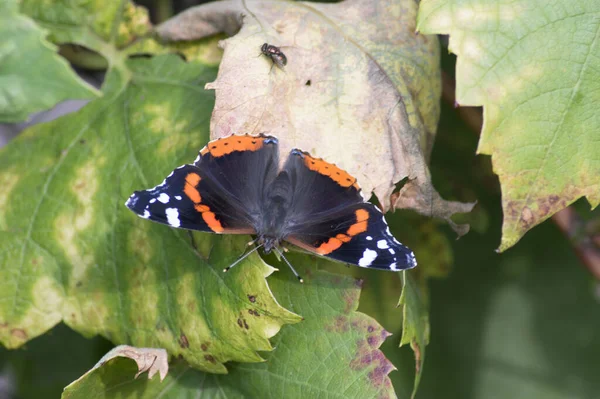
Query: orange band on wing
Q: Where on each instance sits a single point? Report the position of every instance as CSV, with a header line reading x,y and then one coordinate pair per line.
x,y
191,182
336,174
201,208
362,216
212,222
227,145
360,226
329,246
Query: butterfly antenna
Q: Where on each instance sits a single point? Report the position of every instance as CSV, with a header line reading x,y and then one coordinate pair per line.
x,y
289,265
241,258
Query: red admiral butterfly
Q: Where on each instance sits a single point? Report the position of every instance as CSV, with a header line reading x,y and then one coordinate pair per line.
x,y
235,187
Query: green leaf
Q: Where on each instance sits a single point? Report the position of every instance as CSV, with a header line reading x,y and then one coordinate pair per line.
x,y
360,76
534,66
331,353
415,316
115,23
70,250
33,77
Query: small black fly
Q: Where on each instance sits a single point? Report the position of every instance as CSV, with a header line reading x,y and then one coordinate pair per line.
x,y
275,54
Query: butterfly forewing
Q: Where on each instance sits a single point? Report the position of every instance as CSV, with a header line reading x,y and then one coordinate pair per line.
x,y
221,192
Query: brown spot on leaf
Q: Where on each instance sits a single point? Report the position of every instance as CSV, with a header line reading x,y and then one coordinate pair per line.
x,y
183,341
253,312
252,298
239,321
365,356
369,357
527,218
210,358
246,325
339,325
417,351
204,346
351,299
191,306
378,376
19,333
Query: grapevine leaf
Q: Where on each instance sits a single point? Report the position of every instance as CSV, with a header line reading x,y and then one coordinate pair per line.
x,y
333,353
541,123
71,251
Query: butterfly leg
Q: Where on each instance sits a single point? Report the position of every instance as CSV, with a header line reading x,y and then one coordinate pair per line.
x,y
289,265
242,257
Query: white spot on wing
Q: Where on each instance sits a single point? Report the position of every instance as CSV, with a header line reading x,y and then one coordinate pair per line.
x,y
392,251
394,267
146,214
369,238
389,233
412,259
131,201
153,200
173,217
368,257
178,197
382,244
164,198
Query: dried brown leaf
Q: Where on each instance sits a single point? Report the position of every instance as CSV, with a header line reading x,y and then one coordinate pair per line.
x,y
361,88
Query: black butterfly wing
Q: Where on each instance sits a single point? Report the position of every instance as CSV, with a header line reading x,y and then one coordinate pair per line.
x,y
220,193
328,217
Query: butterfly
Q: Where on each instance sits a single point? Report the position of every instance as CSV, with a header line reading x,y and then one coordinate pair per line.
x,y
235,186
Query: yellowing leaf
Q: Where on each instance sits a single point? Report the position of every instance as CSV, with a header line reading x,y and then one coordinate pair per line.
x,y
535,67
334,352
71,251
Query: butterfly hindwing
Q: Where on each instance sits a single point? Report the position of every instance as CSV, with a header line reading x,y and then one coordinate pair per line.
x,y
220,193
330,218
358,235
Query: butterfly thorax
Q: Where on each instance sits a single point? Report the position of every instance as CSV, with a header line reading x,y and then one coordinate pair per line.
x,y
271,227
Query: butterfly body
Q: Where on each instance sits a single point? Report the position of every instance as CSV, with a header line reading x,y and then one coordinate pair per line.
x,y
235,186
